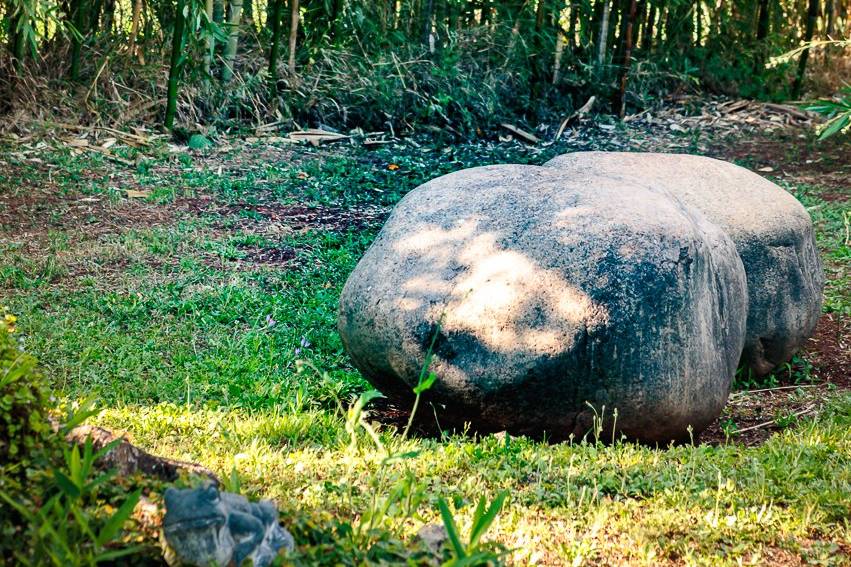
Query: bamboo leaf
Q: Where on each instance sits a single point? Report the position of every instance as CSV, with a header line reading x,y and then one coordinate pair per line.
x,y
117,553
66,485
82,521
22,510
835,125
86,410
484,522
116,521
451,528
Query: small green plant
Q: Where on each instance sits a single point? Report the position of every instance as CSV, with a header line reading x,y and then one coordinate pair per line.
x,y
424,382
473,552
745,379
798,370
71,527
233,483
386,512
785,419
729,427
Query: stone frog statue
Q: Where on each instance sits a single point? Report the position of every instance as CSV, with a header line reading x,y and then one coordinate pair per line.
x,y
206,527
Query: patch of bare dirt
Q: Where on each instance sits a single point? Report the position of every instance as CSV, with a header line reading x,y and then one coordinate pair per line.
x,y
36,198
268,256
252,255
829,350
834,197
254,217
752,416
34,213
796,157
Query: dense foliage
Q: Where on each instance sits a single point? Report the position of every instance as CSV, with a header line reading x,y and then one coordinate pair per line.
x,y
458,65
24,427
55,507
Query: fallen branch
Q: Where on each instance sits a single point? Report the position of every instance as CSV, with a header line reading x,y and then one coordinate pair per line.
x,y
583,110
531,138
797,113
773,422
129,459
316,136
774,389
126,137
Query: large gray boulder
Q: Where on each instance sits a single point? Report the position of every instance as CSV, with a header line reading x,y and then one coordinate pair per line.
x,y
549,297
771,229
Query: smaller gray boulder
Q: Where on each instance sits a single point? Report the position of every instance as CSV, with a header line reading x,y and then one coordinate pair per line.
x,y
207,528
433,536
772,231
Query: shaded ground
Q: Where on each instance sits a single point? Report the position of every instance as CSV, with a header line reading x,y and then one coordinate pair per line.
x,y
799,160
751,416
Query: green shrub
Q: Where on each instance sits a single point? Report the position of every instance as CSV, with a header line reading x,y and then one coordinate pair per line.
x,y
55,507
77,524
24,427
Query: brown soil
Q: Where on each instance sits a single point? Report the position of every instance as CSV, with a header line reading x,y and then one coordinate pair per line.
x,y
268,256
795,157
254,256
829,350
293,217
39,211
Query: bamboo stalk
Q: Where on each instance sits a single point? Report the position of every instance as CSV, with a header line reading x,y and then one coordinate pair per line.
x,y
620,98
81,9
274,49
812,16
604,33
211,41
134,26
293,34
229,56
174,65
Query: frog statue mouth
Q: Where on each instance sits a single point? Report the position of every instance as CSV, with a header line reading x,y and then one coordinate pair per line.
x,y
195,524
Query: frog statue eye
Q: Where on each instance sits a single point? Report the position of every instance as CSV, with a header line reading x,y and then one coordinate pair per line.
x,y
211,493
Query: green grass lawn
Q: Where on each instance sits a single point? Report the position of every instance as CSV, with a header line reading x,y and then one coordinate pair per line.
x,y
202,316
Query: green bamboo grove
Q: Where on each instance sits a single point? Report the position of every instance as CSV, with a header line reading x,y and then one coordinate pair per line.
x,y
374,62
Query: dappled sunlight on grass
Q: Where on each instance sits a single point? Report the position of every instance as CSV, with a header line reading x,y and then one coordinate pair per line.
x,y
568,501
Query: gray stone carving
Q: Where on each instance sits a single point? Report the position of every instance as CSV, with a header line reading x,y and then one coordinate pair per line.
x,y
206,528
